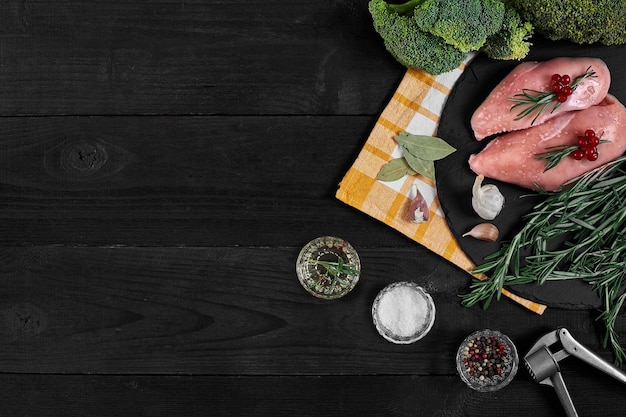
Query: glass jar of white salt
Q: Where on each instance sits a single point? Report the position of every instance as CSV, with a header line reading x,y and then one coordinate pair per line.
x,y
403,312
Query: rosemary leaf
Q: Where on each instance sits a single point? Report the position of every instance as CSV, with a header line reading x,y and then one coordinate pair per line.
x,y
554,154
582,223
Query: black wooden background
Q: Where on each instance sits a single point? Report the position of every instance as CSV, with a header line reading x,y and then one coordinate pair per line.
x,y
162,164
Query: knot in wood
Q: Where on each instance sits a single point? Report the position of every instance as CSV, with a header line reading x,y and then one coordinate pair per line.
x,y
21,320
83,158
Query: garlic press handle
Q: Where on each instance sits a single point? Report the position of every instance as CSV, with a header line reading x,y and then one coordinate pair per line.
x,y
561,391
571,346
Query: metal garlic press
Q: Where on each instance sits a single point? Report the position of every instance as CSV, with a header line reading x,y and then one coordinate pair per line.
x,y
543,364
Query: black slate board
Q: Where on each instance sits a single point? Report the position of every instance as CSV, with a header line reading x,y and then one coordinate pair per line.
x,y
455,179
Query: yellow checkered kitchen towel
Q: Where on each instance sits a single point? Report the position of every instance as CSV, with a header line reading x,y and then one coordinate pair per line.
x,y
415,108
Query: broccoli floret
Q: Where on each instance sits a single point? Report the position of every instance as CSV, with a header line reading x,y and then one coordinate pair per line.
x,y
411,46
512,41
579,21
465,24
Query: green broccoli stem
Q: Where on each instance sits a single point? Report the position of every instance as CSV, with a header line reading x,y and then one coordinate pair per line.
x,y
404,8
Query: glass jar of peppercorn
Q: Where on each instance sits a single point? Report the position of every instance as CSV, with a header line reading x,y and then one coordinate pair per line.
x,y
487,360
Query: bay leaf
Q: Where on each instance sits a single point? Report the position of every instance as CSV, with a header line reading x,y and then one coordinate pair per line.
x,y
394,170
419,165
430,148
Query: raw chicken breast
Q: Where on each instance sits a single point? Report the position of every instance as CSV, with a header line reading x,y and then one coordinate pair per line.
x,y
494,115
512,157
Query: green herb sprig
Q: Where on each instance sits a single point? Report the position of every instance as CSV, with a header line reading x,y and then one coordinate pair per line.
x,y
419,155
590,215
534,101
555,154
335,270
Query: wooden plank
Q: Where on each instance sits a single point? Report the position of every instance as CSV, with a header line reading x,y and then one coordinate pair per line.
x,y
233,311
192,181
191,57
113,396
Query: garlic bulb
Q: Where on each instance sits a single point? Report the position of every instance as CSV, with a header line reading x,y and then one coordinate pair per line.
x,y
487,200
484,231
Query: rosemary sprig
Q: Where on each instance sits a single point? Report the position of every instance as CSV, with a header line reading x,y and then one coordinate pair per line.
x,y
335,269
611,337
534,101
590,216
554,154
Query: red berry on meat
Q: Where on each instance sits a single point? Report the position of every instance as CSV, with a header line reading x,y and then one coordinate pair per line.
x,y
578,154
591,153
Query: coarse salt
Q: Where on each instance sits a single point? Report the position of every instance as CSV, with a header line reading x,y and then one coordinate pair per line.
x,y
403,312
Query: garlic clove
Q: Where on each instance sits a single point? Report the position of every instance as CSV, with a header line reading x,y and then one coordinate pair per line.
x,y
484,231
418,209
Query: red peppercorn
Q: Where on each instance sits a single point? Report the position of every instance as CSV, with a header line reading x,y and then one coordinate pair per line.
x,y
557,87
561,97
556,78
594,141
565,79
589,133
583,141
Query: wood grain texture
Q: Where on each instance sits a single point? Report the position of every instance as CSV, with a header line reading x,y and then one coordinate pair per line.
x,y
440,396
191,57
181,181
